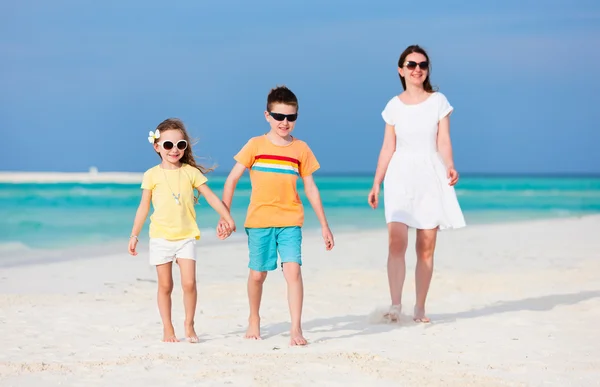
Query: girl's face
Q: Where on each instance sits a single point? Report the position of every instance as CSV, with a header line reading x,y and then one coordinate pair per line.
x,y
171,146
415,69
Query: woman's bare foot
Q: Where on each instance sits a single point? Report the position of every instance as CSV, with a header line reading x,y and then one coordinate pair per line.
x,y
253,331
296,337
419,316
190,334
169,335
394,313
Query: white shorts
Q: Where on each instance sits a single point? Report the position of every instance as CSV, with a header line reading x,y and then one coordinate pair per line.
x,y
165,251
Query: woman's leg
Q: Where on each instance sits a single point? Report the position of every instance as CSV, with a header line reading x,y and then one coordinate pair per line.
x,y
425,249
396,264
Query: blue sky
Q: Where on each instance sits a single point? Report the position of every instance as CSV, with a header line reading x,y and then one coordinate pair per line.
x,y
83,82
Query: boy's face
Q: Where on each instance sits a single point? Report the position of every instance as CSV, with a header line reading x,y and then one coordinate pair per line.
x,y
282,119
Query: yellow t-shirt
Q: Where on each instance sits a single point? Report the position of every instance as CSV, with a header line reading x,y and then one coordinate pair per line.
x,y
170,220
274,172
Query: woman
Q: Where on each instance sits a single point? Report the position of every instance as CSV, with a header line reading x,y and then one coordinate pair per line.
x,y
417,169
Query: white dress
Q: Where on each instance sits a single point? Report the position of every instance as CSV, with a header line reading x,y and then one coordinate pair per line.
x,y
416,190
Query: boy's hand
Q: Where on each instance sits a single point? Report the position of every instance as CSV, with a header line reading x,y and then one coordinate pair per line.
x,y
224,228
132,245
328,238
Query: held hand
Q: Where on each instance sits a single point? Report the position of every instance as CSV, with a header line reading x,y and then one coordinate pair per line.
x,y
328,238
132,245
374,196
452,176
225,228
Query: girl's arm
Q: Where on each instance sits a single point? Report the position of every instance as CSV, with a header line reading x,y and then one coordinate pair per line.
x,y
386,153
217,205
140,218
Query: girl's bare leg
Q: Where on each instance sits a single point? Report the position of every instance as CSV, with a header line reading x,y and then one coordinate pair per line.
x,y
165,288
190,296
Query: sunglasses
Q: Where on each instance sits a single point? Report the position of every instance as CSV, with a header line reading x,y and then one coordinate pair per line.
x,y
411,65
168,145
281,117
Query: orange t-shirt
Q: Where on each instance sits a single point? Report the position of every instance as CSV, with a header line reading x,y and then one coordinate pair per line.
x,y
274,171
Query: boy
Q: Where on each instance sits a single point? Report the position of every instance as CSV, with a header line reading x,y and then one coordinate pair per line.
x,y
275,214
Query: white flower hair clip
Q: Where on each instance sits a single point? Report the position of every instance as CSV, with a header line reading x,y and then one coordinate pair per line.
x,y
152,136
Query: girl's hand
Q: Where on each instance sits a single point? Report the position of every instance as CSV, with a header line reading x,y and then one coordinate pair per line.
x,y
452,176
132,245
374,196
225,228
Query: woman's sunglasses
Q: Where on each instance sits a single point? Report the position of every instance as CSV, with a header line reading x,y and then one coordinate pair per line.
x,y
281,117
411,65
168,145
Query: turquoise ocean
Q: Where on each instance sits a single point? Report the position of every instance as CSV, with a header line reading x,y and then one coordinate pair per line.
x,y
60,215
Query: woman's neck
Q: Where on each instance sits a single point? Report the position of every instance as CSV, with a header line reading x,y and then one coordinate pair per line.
x,y
414,91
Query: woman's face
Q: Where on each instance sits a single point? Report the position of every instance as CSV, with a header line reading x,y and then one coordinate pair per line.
x,y
414,69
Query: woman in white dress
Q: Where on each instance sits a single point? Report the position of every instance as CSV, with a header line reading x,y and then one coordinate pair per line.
x,y
417,170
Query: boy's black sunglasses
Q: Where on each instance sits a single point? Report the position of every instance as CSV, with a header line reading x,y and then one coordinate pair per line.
x,y
281,117
411,65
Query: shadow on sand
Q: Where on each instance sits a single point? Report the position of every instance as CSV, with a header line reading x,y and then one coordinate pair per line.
x,y
357,325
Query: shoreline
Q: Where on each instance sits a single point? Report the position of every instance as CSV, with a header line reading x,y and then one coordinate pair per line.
x,y
95,176
28,256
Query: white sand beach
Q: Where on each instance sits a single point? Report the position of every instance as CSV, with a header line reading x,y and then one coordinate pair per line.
x,y
511,304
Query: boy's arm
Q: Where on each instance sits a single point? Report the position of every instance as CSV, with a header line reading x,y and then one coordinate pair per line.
x,y
314,197
234,176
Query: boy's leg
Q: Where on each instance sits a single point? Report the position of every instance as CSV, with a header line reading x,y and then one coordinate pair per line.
x,y
255,289
263,258
289,244
165,288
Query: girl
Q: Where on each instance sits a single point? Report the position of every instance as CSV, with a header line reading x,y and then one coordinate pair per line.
x,y
417,166
173,230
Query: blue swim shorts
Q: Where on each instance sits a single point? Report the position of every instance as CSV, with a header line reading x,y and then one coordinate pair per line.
x,y
265,243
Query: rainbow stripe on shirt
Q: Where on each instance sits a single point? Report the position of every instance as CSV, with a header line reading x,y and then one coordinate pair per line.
x,y
276,164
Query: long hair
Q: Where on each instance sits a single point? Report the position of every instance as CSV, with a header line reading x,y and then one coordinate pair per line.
x,y
419,50
188,155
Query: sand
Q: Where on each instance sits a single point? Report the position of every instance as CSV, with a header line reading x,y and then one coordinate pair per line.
x,y
511,304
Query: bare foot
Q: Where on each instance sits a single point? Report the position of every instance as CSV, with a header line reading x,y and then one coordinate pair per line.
x,y
253,331
419,316
394,313
169,335
190,334
296,337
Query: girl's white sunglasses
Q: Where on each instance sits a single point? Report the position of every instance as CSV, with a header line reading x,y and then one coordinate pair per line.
x,y
168,145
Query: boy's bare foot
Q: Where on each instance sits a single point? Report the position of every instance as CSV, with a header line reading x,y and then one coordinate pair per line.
x,y
296,337
253,331
169,335
190,334
419,316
